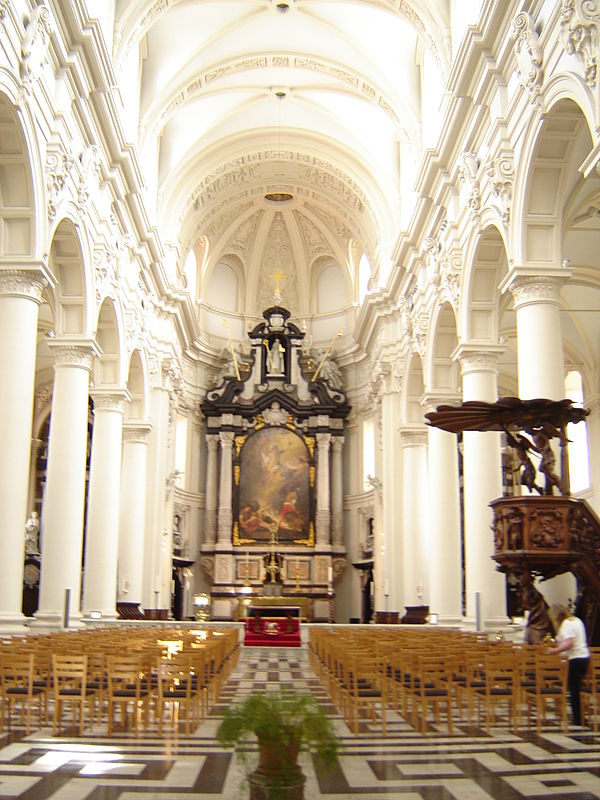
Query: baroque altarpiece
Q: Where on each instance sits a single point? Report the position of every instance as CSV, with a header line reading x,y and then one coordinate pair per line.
x,y
274,501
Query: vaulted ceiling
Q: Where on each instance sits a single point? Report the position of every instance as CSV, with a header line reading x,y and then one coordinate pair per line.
x,y
279,133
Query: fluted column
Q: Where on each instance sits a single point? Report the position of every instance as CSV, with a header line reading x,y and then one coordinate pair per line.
x,y
225,517
132,511
63,505
210,512
102,527
482,483
444,520
337,493
537,304
20,297
323,511
416,502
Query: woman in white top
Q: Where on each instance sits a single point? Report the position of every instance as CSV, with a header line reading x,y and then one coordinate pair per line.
x,y
571,638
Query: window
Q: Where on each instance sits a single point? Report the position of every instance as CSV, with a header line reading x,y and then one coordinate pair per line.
x,y
579,470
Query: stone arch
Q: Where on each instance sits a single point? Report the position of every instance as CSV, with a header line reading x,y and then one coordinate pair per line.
x,y
479,313
414,387
442,373
19,186
137,409
108,365
549,167
75,303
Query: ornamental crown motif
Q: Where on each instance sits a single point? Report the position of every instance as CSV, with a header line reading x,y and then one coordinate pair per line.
x,y
275,415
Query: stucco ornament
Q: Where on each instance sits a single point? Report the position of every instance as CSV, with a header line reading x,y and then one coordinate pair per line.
x,y
580,24
529,56
34,47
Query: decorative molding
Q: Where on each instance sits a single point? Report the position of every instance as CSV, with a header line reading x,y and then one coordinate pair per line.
x,y
91,173
3,8
34,47
43,397
580,24
275,415
501,171
529,56
414,438
58,167
468,175
109,401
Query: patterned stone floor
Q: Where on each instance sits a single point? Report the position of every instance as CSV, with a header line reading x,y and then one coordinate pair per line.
x,y
403,766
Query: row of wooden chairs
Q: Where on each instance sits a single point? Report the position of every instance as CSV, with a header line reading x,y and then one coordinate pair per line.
x,y
181,674
444,674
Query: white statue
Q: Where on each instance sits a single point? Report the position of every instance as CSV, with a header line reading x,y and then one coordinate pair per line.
x,y
32,530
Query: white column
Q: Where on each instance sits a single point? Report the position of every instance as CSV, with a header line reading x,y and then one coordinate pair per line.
x,y
210,512
593,436
63,504
225,516
337,493
102,526
482,481
541,369
536,300
390,579
20,297
323,512
132,511
416,502
154,593
444,519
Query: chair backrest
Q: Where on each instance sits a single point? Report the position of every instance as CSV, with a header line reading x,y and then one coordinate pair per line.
x,y
70,673
17,672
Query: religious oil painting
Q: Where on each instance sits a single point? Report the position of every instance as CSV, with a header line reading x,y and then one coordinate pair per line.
x,y
274,490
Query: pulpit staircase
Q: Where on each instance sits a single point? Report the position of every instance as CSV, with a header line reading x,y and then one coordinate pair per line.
x,y
548,536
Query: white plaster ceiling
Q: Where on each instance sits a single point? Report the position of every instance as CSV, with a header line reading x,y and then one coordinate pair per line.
x,y
319,99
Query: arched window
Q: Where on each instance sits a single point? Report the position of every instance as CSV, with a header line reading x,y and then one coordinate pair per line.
x,y
579,470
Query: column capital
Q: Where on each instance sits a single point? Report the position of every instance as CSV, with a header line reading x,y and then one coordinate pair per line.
x,y
431,400
531,285
413,437
73,353
478,357
110,400
226,438
27,284
136,432
337,443
212,441
323,440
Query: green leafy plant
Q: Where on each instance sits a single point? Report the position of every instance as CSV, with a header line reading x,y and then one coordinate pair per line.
x,y
283,723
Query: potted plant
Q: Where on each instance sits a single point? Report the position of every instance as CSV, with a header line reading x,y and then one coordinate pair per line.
x,y
283,722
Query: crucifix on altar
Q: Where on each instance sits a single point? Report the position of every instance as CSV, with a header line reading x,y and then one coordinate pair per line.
x,y
277,276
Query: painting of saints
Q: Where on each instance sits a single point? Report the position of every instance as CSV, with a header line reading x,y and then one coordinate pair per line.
x,y
274,493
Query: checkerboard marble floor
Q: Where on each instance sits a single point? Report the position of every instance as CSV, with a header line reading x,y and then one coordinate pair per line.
x,y
403,766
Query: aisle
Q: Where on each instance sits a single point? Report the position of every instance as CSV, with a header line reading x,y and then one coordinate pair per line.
x,y
404,766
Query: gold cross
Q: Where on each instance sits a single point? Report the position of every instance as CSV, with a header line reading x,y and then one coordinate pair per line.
x,y
277,276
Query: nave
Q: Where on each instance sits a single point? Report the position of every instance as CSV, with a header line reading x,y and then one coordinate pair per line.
x,y
404,765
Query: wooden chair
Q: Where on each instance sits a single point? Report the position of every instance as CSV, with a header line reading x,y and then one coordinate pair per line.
x,y
70,675
363,686
174,689
550,687
590,692
432,688
18,688
128,688
501,686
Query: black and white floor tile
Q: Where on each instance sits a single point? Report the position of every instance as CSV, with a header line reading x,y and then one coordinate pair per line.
x,y
402,766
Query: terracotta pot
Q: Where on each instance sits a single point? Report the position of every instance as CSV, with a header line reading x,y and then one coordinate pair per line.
x,y
275,758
